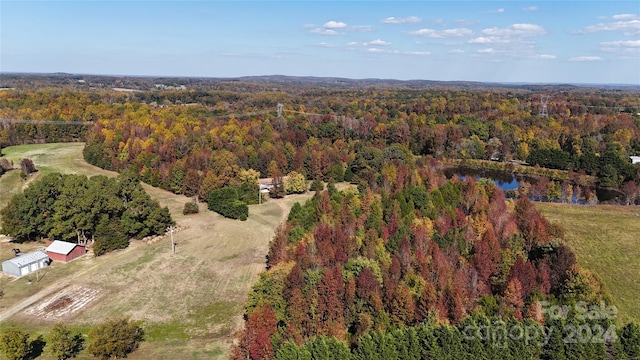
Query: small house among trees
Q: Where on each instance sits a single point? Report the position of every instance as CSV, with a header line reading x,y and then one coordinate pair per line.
x,y
64,251
25,264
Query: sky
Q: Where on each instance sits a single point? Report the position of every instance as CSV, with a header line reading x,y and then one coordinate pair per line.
x,y
582,42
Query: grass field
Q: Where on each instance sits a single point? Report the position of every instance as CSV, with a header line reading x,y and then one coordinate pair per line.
x,y
191,303
605,239
66,158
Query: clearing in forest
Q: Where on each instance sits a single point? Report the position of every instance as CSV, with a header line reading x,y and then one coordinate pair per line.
x,y
191,303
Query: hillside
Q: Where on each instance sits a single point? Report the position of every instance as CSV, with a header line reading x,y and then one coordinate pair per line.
x,y
190,302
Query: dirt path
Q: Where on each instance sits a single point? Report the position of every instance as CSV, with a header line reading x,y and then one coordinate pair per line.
x,y
31,300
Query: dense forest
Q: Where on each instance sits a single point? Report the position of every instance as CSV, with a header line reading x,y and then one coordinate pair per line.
x,y
73,207
193,141
400,265
405,270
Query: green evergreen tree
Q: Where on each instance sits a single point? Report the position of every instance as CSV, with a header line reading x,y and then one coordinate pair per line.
x,y
14,343
316,185
63,344
554,349
176,179
290,351
630,340
323,348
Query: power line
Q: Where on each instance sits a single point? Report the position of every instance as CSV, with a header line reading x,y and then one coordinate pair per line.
x,y
543,101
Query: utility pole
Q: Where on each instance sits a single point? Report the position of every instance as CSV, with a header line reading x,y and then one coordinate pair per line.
x,y
280,109
543,101
173,245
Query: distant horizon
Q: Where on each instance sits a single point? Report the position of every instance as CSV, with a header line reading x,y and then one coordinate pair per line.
x,y
593,42
316,77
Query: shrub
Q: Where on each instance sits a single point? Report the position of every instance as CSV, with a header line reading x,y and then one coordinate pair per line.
x,y
27,166
316,185
109,236
225,201
116,337
295,183
190,208
337,173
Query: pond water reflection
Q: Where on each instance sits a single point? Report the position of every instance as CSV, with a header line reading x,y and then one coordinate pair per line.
x,y
510,182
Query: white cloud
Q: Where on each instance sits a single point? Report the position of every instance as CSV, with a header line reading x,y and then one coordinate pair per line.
x,y
627,27
486,51
628,43
378,42
501,10
325,45
406,20
418,53
518,30
372,43
626,48
375,50
545,56
488,40
456,51
329,28
323,31
425,32
585,58
360,28
530,8
511,36
625,17
458,32
334,25
498,11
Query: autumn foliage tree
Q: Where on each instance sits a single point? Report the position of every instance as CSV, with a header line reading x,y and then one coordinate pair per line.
x,y
255,341
115,338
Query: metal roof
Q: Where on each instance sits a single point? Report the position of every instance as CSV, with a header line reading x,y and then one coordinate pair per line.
x,y
60,247
28,258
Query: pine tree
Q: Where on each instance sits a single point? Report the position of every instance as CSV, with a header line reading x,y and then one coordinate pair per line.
x,y
14,343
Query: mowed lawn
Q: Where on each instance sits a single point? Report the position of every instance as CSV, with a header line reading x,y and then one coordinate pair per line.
x,y
190,303
606,240
61,157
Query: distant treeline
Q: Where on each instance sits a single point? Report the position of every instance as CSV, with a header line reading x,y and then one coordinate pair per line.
x,y
157,135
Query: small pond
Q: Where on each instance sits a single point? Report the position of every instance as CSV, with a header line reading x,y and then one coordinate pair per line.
x,y
510,182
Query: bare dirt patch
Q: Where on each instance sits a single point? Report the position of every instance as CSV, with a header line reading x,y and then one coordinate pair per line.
x,y
64,304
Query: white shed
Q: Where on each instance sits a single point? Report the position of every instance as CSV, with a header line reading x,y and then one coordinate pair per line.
x,y
635,159
24,264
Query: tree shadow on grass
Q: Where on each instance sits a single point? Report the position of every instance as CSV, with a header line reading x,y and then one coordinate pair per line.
x,y
37,348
